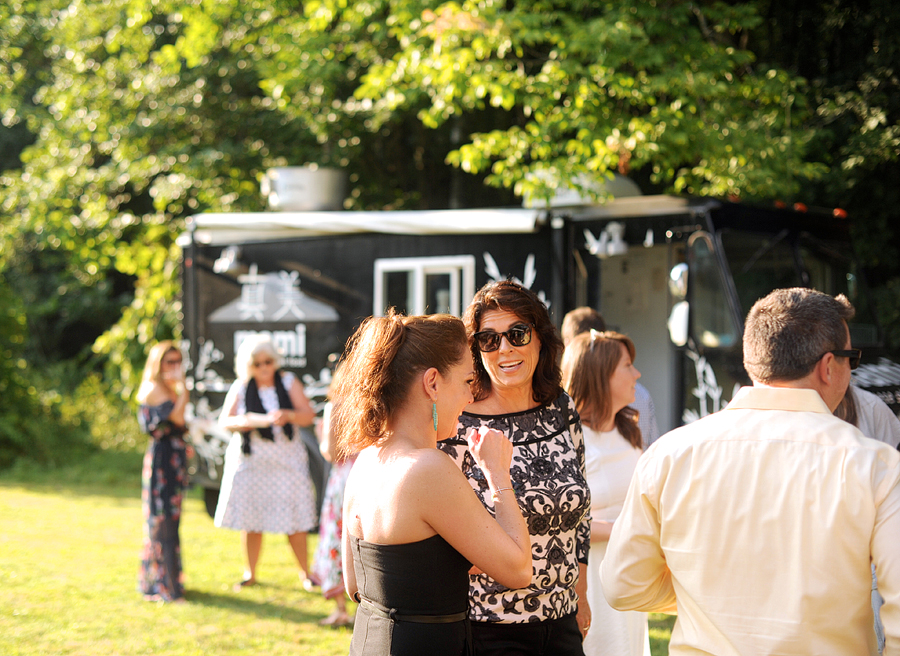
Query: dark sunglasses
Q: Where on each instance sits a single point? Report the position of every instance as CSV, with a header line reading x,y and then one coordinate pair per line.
x,y
489,340
853,354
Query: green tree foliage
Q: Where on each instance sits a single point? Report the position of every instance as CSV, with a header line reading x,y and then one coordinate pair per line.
x,y
132,139
16,394
121,119
849,53
660,86
33,421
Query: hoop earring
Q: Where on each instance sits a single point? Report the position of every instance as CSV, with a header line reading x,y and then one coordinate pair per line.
x,y
434,414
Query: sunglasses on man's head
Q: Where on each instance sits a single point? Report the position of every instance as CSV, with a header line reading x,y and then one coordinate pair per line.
x,y
489,340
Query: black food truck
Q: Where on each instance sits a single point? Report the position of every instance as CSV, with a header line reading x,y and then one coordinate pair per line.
x,y
676,274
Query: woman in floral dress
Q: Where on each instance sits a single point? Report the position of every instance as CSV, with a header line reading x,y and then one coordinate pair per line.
x,y
327,569
162,397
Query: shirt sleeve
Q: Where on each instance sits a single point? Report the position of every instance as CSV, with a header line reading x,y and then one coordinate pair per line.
x,y
886,557
887,426
643,403
634,574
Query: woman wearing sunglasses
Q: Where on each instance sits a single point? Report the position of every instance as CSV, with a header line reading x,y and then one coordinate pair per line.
x,y
516,351
163,398
266,486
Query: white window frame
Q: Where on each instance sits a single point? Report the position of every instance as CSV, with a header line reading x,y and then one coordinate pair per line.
x,y
461,269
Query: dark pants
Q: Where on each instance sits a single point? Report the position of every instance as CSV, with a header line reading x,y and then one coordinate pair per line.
x,y
548,638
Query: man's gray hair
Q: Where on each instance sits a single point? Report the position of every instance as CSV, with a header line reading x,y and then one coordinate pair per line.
x,y
788,332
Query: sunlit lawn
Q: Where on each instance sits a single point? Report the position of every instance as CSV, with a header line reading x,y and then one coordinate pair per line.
x,y
69,547
68,566
660,632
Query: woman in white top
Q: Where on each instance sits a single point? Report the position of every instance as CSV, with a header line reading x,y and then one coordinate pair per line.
x,y
266,485
600,376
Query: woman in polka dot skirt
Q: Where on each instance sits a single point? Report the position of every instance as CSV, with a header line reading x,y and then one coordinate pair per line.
x,y
266,485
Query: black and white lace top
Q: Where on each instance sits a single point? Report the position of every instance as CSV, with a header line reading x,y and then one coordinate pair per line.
x,y
548,476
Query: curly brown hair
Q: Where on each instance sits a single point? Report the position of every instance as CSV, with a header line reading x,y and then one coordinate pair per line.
x,y
510,296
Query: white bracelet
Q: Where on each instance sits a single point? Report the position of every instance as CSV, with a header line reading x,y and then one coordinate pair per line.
x,y
495,494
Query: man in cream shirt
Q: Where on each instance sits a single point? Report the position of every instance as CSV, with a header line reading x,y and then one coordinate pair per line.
x,y
757,524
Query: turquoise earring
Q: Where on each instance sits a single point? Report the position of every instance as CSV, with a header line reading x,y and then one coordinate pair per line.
x,y
434,414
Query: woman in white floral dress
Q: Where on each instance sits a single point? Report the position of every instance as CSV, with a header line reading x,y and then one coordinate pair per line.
x,y
327,568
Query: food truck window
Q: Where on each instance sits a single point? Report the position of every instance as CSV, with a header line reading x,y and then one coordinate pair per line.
x,y
759,263
424,285
397,290
711,319
438,288
831,271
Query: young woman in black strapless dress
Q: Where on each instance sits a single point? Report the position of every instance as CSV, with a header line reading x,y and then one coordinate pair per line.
x,y
413,527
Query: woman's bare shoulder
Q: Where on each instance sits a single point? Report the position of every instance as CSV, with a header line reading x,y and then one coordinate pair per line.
x,y
433,460
434,474
156,395
422,469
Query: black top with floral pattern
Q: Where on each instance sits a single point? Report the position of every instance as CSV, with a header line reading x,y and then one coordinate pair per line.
x,y
548,476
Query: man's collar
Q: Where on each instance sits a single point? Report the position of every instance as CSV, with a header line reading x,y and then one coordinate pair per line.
x,y
765,397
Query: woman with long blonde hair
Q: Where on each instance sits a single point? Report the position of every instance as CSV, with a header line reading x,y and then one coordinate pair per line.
x,y
163,397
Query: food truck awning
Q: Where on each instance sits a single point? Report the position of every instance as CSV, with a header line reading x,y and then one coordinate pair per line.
x,y
229,228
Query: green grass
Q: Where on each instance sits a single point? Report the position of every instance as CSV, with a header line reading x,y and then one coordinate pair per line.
x,y
660,632
69,544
